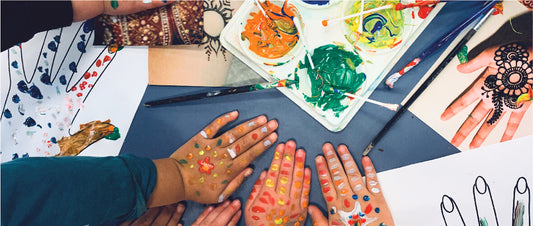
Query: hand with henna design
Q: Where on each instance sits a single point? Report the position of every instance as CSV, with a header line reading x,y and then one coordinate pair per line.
x,y
281,196
209,168
508,74
349,200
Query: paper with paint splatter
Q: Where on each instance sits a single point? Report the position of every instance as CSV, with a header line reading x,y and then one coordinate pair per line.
x,y
498,31
63,96
385,36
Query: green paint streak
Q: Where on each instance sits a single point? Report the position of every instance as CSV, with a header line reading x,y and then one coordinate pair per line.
x,y
228,166
518,215
483,222
114,4
462,55
183,161
335,68
197,193
381,30
114,135
224,181
219,142
196,145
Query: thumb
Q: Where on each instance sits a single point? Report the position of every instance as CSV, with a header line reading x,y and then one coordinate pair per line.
x,y
316,216
482,60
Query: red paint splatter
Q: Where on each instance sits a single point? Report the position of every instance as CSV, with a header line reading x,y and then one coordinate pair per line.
x,y
74,88
294,215
396,44
263,200
107,58
284,172
258,182
90,86
329,198
413,14
324,181
99,63
368,208
237,148
347,203
424,11
322,172
250,197
87,75
255,218
272,174
253,190
254,136
94,74
326,189
288,165
79,94
258,209
205,166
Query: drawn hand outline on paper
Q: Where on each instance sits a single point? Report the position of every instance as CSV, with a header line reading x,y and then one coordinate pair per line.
x,y
508,73
485,209
47,87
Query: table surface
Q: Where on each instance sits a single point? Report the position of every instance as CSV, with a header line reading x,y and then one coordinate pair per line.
x,y
157,132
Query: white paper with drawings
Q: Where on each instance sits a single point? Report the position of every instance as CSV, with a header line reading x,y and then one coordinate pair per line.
x,y
414,193
41,103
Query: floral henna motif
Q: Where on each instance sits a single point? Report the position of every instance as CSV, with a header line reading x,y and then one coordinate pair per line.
x,y
514,73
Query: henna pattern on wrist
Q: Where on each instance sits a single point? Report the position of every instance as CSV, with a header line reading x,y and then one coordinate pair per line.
x,y
514,73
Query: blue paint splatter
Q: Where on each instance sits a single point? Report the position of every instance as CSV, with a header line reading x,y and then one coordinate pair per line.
x,y
15,64
16,99
45,54
81,46
82,37
355,197
377,210
25,155
15,156
88,26
39,125
35,92
63,80
316,2
366,198
57,38
40,69
29,122
49,125
45,78
53,140
22,86
52,46
7,113
72,66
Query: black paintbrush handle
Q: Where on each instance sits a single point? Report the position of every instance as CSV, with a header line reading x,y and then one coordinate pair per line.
x,y
215,93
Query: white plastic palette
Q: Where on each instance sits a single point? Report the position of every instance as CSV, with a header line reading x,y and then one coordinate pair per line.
x,y
375,65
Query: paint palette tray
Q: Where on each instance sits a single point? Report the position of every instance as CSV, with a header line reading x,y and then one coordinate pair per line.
x,y
376,62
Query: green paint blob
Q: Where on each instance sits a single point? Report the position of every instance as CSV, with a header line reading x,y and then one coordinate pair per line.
x,y
224,182
462,55
196,145
335,69
219,142
228,166
114,4
114,135
483,222
197,193
183,161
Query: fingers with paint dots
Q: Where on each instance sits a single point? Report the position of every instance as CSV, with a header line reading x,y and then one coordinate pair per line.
x,y
350,198
281,195
213,167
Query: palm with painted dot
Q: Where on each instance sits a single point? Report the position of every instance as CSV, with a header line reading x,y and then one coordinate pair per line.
x,y
213,167
349,200
281,195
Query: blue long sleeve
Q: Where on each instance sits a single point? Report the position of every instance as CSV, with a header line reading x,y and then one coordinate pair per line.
x,y
75,190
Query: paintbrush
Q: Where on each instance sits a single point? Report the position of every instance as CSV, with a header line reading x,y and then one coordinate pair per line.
x,y
221,92
303,39
487,11
434,47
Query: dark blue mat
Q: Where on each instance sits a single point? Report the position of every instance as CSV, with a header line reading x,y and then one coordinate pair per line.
x,y
157,132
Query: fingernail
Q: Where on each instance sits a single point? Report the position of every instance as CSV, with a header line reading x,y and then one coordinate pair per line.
x,y
226,203
272,124
248,173
236,203
261,119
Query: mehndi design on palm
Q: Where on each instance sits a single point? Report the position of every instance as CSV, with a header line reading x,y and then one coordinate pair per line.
x,y
508,74
350,200
281,196
212,168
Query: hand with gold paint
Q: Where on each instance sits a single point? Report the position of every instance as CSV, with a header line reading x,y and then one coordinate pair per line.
x,y
349,200
281,196
209,168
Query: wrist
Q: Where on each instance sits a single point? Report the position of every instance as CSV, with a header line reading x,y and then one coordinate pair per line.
x,y
169,186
